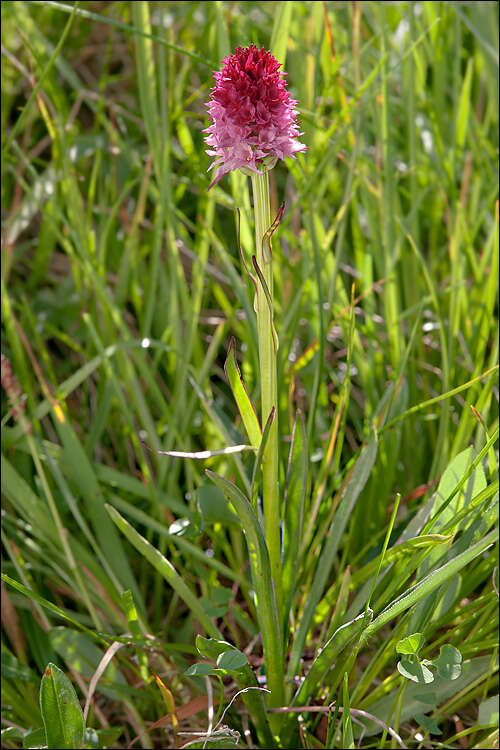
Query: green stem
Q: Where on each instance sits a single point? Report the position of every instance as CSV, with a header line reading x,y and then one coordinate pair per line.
x,y
268,385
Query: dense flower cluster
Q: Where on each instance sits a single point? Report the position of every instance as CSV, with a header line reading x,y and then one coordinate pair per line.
x,y
253,116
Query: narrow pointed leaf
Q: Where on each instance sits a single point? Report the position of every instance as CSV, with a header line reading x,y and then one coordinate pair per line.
x,y
347,735
245,406
261,575
325,660
352,490
295,490
281,26
258,459
429,583
166,570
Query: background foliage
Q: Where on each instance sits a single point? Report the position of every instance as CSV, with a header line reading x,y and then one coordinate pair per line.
x,y
121,289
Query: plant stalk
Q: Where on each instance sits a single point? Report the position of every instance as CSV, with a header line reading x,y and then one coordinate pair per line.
x,y
268,384
269,397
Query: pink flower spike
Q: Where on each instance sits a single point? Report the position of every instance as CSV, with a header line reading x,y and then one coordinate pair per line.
x,y
254,120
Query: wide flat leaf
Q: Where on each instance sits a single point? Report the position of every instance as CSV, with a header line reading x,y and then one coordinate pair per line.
x,y
232,660
449,662
35,739
213,506
427,722
199,670
411,644
61,712
14,669
488,711
415,671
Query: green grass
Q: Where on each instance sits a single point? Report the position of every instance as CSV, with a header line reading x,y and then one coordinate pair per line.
x,y
121,289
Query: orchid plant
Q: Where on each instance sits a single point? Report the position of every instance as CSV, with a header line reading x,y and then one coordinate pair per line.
x,y
254,123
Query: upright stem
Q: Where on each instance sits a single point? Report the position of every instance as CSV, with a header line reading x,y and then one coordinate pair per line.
x,y
268,386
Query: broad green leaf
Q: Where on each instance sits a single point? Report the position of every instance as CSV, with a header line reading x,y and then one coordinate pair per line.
x,y
165,568
449,662
430,698
61,712
245,406
295,491
415,671
411,644
211,648
351,492
221,738
35,739
199,670
15,670
213,506
212,609
427,722
488,711
232,660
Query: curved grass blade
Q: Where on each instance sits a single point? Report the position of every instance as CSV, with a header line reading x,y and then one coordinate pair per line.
x,y
263,583
166,569
295,492
258,460
429,583
51,607
240,393
281,26
353,488
338,643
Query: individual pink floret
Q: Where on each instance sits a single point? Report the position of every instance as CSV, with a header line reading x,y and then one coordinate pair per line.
x,y
253,116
